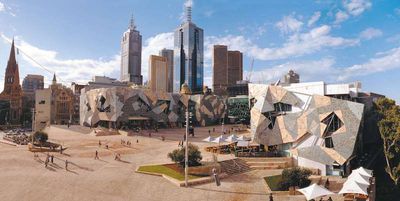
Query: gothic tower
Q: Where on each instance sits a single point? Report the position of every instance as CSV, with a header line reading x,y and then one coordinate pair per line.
x,y
12,91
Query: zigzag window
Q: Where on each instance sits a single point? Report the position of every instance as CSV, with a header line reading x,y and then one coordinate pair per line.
x,y
282,107
333,123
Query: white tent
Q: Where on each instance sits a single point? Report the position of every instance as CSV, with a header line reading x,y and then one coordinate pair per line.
x,y
314,191
219,139
242,138
352,187
356,176
208,139
364,172
231,138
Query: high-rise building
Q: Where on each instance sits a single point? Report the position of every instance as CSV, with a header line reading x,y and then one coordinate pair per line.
x,y
220,68
12,92
227,67
169,54
158,73
30,84
131,55
188,55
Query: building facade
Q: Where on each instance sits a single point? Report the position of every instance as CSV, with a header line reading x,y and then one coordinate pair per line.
x,y
12,91
290,78
30,84
188,55
131,55
169,54
76,91
122,106
306,122
158,73
227,67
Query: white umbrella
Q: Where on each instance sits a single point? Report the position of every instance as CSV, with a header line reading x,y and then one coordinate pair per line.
x,y
208,139
352,187
364,172
231,138
243,138
219,139
314,191
356,176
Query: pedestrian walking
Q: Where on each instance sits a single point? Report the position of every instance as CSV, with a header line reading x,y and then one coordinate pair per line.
x,y
97,155
99,143
209,132
61,149
271,198
66,164
46,162
52,158
137,141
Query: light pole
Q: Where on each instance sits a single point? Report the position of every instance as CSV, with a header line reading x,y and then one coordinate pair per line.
x,y
185,90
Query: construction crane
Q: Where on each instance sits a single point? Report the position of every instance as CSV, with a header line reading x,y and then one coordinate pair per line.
x,y
250,70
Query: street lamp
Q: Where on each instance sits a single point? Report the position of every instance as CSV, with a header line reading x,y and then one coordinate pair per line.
x,y
185,90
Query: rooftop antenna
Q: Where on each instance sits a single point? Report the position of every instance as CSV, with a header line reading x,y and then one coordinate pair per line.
x,y
188,10
132,23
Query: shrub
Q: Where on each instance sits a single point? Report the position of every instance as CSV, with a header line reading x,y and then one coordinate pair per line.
x,y
40,136
295,177
178,156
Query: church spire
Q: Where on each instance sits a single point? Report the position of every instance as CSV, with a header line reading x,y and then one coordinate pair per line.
x,y
12,58
54,82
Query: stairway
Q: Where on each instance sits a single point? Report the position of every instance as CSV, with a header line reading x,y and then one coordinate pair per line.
x,y
234,166
269,163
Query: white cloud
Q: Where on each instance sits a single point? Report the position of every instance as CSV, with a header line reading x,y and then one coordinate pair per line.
x,y
289,24
2,7
341,16
297,45
383,62
69,70
397,11
308,70
356,7
152,46
370,33
314,18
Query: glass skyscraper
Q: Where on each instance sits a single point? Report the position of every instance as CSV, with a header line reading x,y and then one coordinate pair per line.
x,y
188,55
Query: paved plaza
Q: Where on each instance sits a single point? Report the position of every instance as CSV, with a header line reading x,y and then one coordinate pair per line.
x,y
25,178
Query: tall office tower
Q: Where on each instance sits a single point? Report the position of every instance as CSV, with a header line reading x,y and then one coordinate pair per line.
x,y
131,55
220,69
188,55
158,73
228,69
235,67
30,84
169,54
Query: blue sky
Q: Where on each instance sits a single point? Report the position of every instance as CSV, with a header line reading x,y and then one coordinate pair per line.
x,y
333,41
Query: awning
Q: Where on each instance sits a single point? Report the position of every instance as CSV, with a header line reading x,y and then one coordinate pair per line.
x,y
314,191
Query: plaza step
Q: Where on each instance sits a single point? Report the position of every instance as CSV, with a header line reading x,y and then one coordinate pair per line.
x,y
234,166
268,163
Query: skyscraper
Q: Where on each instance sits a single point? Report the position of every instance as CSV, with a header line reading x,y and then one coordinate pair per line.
x,y
158,73
188,55
169,54
227,67
131,55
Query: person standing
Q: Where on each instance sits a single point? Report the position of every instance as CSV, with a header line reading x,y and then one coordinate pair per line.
x,y
96,155
66,165
270,197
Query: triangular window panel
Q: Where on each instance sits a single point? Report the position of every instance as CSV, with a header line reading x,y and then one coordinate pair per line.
x,y
333,123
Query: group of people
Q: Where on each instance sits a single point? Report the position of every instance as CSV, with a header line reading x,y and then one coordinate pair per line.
x,y
128,143
49,159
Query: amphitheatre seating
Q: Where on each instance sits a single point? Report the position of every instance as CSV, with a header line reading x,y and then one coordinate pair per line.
x,y
234,166
262,163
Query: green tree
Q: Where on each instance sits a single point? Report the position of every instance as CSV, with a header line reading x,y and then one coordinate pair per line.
x,y
389,128
178,156
292,177
40,136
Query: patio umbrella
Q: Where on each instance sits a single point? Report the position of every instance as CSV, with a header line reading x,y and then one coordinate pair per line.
x,y
353,187
208,139
219,139
231,138
356,176
364,172
314,191
243,138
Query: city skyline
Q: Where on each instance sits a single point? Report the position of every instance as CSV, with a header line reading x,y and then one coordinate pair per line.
x,y
330,41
